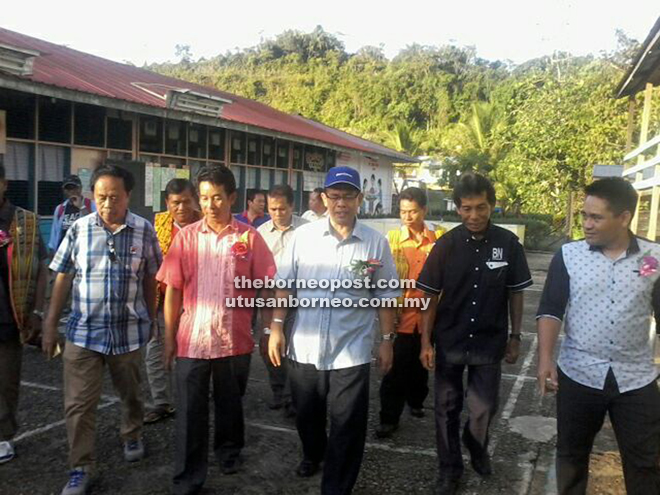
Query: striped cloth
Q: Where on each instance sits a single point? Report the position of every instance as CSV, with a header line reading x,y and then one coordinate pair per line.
x,y
109,313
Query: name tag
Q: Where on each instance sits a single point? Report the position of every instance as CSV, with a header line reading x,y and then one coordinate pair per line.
x,y
493,265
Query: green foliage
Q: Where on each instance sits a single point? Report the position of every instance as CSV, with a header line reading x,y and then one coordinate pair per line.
x,y
536,129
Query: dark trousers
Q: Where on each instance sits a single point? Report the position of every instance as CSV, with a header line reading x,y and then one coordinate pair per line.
x,y
407,381
635,417
193,377
277,377
11,356
482,395
347,392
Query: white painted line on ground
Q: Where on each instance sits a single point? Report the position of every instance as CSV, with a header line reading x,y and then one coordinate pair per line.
x,y
368,445
507,411
508,376
526,481
50,426
40,386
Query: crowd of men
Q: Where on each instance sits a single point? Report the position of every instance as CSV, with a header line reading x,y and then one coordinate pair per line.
x,y
138,295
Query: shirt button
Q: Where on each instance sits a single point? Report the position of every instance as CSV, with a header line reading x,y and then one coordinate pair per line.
x,y
472,320
477,268
474,303
477,250
471,335
475,286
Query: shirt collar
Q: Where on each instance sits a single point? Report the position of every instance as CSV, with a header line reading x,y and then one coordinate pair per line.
x,y
633,247
405,234
129,221
232,226
469,235
358,229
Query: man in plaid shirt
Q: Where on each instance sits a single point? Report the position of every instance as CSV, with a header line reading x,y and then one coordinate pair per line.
x,y
112,258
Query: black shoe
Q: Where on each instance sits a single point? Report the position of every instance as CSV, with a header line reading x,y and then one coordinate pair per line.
x,y
417,412
307,469
231,465
385,431
479,457
481,464
447,485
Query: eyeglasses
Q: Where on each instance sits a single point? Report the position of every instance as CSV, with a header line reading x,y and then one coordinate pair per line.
x,y
346,197
112,251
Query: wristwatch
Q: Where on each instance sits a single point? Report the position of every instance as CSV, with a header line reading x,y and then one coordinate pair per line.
x,y
38,314
387,336
515,336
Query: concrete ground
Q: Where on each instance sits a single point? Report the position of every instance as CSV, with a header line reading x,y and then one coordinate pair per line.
x,y
522,441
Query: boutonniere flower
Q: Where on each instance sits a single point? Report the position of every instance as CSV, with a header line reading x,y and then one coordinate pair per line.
x,y
648,265
5,238
365,268
241,247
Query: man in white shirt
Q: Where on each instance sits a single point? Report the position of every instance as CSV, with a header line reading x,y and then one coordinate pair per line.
x,y
317,209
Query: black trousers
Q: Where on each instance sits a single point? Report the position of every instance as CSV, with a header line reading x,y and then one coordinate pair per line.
x,y
193,378
482,395
635,417
347,392
407,381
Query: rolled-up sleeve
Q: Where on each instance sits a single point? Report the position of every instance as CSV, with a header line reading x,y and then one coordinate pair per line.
x,y
431,279
262,258
63,260
556,290
518,275
171,271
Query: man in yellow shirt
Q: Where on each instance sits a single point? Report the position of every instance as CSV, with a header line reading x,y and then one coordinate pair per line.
x,y
407,381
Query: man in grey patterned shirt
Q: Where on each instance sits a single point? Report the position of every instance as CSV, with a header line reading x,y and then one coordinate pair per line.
x,y
605,289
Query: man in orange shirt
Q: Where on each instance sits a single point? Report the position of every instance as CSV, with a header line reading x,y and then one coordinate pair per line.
x,y
407,381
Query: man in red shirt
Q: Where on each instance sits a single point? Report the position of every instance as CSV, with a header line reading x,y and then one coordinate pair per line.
x,y
206,328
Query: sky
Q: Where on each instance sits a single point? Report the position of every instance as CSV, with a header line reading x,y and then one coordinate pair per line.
x,y
515,30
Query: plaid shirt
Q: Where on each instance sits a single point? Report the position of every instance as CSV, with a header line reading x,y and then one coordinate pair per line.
x,y
109,313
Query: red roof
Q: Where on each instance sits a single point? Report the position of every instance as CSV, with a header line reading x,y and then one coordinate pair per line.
x,y
70,69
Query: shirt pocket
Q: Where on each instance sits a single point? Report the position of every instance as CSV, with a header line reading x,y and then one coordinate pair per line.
x,y
496,277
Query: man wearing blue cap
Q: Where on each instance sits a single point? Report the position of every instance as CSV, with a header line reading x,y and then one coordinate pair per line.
x,y
329,347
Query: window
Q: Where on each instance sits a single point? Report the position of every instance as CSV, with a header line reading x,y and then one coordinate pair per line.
x,y
282,154
197,141
53,165
120,133
217,144
20,113
298,152
89,125
175,138
18,162
151,134
268,154
54,120
254,150
238,146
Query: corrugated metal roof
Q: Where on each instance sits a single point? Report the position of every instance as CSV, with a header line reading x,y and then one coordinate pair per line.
x,y
66,68
645,67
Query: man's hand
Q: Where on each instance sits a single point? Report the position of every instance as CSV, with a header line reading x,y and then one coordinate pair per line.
x,y
386,356
512,351
276,344
546,375
49,339
169,353
427,356
34,329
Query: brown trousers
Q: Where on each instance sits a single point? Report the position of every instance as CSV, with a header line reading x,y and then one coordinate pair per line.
x,y
11,356
83,380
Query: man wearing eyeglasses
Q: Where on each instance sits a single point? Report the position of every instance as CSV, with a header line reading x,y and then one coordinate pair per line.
x,y
112,258
329,349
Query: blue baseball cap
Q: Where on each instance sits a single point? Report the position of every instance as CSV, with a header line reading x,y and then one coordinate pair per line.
x,y
343,175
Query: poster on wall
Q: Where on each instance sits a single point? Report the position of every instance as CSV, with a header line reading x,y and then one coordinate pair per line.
x,y
85,176
156,172
183,173
148,187
374,181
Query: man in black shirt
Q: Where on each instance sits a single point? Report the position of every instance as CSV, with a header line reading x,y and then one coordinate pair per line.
x,y
478,272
